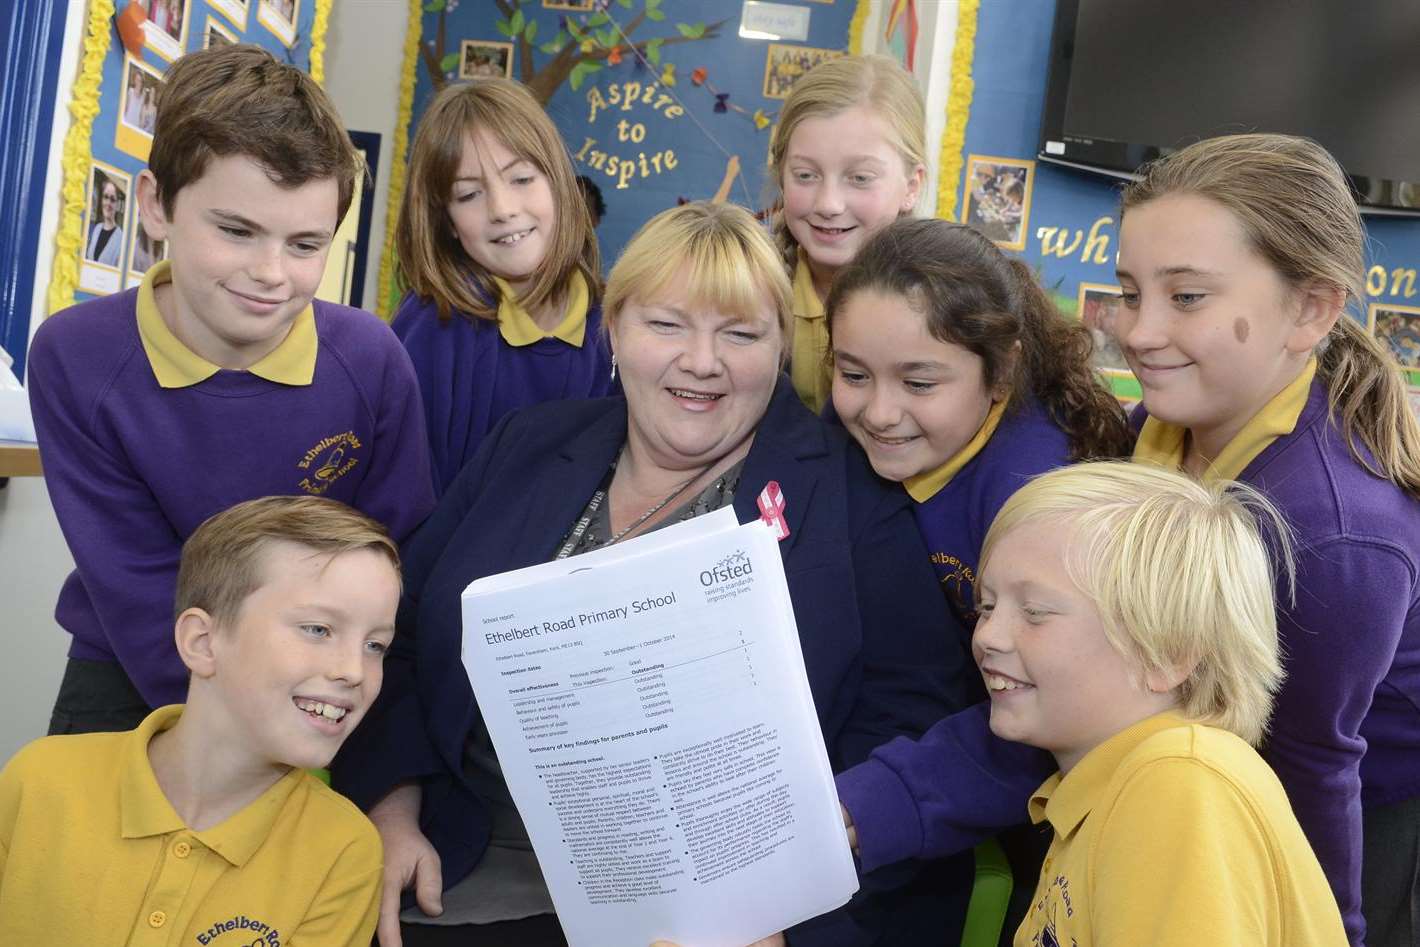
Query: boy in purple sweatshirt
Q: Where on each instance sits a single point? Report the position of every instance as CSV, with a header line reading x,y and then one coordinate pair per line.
x,y
217,380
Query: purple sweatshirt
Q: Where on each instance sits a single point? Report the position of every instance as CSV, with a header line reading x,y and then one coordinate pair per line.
x,y
133,468
958,784
1346,728
471,379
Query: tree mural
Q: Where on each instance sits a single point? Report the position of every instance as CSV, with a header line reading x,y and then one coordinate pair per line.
x,y
583,45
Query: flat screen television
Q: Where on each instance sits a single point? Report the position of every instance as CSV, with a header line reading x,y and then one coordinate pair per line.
x,y
1132,79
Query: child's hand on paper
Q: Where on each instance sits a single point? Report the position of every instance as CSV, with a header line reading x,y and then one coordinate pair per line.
x,y
852,832
776,941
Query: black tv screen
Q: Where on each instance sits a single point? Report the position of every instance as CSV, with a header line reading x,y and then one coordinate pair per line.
x,y
1132,79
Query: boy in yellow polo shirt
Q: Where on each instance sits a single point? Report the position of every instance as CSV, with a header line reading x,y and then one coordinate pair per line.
x,y
1127,626
203,826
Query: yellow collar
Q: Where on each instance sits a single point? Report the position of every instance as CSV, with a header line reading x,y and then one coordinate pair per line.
x,y
518,328
145,811
293,362
925,486
1161,443
807,305
1066,798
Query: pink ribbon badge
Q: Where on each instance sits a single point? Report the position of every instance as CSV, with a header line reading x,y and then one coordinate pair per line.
x,y
771,509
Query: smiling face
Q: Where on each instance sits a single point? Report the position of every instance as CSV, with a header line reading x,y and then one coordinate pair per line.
x,y
108,204
247,256
303,660
843,181
912,401
1209,327
1055,680
501,209
697,380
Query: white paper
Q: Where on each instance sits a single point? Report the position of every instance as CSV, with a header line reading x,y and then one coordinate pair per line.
x,y
652,716
16,423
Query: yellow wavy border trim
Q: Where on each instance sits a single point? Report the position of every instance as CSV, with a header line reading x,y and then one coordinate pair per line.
x,y
949,161
83,106
857,25
399,161
319,25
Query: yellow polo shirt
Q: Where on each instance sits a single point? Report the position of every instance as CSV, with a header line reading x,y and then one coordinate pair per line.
x,y
91,852
809,369
293,362
1175,833
924,486
516,325
1162,443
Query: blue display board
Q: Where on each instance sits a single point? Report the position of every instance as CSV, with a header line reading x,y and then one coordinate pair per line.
x,y
653,97
115,251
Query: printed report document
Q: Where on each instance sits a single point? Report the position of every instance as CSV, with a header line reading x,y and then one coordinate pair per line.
x,y
652,716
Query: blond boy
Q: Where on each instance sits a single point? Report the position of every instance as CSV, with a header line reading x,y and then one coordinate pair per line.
x,y
1127,626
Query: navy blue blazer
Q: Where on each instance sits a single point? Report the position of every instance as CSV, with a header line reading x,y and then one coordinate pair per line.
x,y
872,622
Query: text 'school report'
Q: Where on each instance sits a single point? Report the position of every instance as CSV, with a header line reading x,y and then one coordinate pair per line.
x,y
651,713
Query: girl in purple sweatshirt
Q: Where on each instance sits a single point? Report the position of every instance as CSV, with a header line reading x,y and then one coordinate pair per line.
x,y
500,268
1238,259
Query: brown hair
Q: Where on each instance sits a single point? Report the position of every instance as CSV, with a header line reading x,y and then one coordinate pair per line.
x,y
239,100
973,295
833,86
430,260
222,561
1295,207
720,250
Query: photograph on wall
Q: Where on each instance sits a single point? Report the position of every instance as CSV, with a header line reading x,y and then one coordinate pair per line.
x,y
584,5
784,64
279,16
234,10
997,199
165,30
137,108
105,217
1098,309
486,59
1398,329
145,250
217,35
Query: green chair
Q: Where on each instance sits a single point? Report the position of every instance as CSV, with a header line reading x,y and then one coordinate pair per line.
x,y
990,897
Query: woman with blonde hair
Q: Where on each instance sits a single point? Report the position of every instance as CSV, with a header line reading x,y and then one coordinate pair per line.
x,y
697,312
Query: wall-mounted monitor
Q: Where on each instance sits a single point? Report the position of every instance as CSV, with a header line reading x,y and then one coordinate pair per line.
x,y
1133,79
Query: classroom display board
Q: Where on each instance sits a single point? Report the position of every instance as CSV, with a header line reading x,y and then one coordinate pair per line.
x,y
659,101
127,48
1065,222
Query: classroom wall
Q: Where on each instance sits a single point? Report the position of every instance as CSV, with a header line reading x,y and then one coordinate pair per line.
x,y
364,45
33,557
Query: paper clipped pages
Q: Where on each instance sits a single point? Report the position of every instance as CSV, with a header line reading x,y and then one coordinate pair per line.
x,y
652,716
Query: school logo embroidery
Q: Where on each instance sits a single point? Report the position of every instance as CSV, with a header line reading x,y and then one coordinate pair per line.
x,y
958,580
1048,908
328,461
248,932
